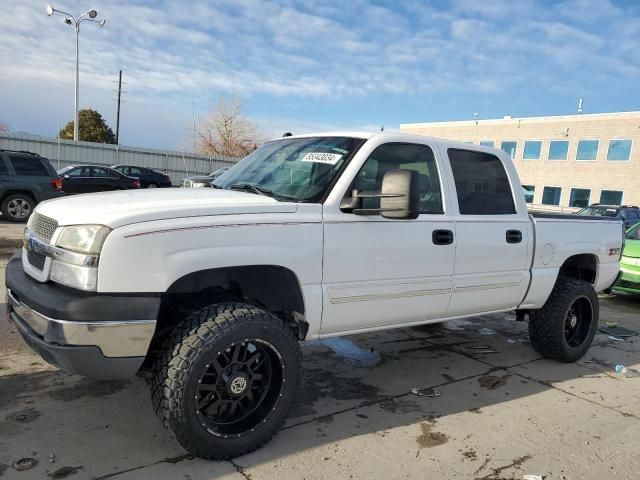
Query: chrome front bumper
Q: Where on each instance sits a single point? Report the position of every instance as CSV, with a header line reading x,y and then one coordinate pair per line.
x,y
130,338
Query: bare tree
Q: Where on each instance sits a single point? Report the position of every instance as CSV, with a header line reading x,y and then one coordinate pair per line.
x,y
227,132
4,128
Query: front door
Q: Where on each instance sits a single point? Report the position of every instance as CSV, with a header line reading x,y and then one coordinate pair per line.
x,y
493,235
379,271
77,180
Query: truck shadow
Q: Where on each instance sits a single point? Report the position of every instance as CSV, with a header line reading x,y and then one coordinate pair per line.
x,y
408,379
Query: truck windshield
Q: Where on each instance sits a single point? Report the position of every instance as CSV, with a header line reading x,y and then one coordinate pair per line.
x,y
292,169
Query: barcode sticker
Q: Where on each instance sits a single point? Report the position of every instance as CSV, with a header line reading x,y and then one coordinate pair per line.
x,y
321,157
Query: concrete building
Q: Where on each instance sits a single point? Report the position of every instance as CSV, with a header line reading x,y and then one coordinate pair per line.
x,y
568,161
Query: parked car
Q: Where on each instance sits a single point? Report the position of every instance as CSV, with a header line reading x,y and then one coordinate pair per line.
x,y
26,179
210,292
200,181
148,178
629,214
94,178
630,262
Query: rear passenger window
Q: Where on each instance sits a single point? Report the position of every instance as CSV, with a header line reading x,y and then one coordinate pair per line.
x,y
391,156
28,166
482,184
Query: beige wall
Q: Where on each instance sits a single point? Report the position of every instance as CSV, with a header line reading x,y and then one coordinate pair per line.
x,y
597,175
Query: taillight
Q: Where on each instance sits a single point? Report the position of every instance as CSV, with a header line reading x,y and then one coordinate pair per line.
x,y
57,184
136,184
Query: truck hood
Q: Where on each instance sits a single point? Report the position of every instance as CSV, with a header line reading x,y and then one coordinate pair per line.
x,y
115,209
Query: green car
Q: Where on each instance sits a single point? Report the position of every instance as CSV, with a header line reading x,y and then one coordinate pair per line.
x,y
630,262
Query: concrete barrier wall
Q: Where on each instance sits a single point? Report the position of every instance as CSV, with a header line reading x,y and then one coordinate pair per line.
x,y
67,152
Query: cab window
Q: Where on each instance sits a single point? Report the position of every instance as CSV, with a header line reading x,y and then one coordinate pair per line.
x,y
407,156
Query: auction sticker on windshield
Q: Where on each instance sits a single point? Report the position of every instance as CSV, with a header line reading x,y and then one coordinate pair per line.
x,y
322,157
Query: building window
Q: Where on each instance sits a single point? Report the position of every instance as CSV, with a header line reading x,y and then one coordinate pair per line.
x,y
529,191
619,150
510,148
551,195
487,143
611,197
579,197
558,149
587,149
532,149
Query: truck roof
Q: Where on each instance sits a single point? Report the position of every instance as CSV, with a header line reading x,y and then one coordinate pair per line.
x,y
392,137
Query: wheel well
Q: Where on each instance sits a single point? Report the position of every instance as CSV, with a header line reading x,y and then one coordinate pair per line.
x,y
581,267
272,288
15,191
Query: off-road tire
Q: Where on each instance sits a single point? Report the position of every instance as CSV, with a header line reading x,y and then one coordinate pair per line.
x,y
195,342
547,325
5,207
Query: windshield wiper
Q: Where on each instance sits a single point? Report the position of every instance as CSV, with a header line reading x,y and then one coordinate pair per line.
x,y
248,187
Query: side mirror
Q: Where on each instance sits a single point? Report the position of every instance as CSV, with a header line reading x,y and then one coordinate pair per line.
x,y
400,195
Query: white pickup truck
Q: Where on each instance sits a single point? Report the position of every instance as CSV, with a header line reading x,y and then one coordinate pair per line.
x,y
209,291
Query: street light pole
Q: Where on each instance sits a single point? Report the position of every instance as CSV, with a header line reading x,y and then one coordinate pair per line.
x,y
71,20
76,123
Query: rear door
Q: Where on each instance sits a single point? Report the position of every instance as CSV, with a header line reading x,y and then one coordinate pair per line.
x,y
104,179
493,234
380,271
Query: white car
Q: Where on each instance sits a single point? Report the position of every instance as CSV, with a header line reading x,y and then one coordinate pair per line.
x,y
209,291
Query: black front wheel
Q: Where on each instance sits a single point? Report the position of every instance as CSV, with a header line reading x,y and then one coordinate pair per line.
x,y
564,327
226,380
17,207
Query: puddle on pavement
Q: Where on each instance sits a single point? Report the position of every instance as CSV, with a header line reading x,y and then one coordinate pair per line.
x,y
351,353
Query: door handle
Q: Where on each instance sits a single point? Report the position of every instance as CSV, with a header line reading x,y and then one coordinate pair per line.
x,y
514,236
442,237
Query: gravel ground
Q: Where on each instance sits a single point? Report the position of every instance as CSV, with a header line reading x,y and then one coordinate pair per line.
x,y
498,415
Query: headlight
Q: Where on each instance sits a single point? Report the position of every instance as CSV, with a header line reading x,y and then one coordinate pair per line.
x,y
83,238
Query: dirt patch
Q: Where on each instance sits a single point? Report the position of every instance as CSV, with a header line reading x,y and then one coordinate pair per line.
x,y
63,472
429,438
515,464
27,415
475,410
491,382
470,455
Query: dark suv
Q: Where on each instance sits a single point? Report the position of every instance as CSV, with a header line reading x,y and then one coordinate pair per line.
x,y
629,214
26,179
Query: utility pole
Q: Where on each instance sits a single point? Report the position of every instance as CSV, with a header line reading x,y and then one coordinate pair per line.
x,y
118,115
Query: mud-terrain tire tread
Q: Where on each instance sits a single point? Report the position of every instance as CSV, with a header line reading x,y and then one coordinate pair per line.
x,y
546,325
173,364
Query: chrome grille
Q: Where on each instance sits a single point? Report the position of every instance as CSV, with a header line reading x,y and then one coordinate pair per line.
x,y
43,227
36,260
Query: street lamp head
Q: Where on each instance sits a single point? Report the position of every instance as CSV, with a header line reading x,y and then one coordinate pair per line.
x,y
50,10
92,13
68,21
102,22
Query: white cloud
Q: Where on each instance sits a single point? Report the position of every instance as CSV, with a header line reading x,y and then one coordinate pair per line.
x,y
326,49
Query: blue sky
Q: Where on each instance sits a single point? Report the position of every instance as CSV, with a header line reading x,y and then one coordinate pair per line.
x,y
317,64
